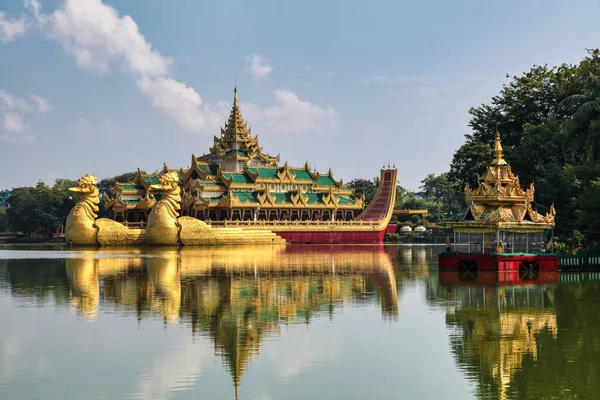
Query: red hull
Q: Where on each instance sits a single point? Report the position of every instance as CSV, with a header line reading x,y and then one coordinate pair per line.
x,y
508,278
333,237
484,262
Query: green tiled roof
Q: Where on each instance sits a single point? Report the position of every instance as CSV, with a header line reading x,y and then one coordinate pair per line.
x,y
130,186
214,199
131,201
343,200
240,153
212,168
345,187
325,181
153,179
301,174
238,178
265,173
246,197
282,198
208,183
313,198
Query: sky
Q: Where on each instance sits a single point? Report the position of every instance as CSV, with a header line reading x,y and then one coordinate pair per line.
x,y
105,87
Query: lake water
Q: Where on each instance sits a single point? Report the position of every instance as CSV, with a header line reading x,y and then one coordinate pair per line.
x,y
320,322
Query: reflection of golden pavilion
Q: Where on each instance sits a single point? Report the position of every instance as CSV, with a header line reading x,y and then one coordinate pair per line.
x,y
236,295
499,328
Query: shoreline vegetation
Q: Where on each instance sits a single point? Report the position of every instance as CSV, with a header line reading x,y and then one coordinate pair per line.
x,y
549,118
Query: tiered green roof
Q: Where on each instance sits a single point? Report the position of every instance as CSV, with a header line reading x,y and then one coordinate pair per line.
x,y
237,173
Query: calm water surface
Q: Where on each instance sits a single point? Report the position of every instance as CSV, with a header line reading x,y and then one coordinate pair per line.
x,y
321,322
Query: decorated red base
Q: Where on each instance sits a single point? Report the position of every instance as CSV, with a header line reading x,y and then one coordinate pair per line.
x,y
506,278
497,262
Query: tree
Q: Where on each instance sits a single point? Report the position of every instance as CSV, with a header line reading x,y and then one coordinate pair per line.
x,y
443,190
582,126
107,183
39,209
364,186
3,220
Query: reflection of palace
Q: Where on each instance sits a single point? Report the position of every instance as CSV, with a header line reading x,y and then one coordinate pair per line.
x,y
235,295
496,328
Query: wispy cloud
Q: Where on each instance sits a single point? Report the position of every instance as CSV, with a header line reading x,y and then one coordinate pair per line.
x,y
12,111
260,67
291,114
99,38
10,29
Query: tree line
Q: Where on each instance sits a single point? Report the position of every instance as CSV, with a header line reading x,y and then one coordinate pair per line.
x,y
549,119
43,209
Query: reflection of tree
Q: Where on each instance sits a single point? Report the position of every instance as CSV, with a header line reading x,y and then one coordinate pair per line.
x,y
568,366
41,280
235,296
495,331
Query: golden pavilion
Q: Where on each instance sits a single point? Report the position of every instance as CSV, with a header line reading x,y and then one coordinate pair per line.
x,y
500,217
237,181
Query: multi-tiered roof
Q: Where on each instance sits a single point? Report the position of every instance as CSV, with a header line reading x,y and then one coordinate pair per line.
x,y
236,173
500,203
236,141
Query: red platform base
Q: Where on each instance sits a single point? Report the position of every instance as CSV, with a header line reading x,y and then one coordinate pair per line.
x,y
497,262
498,279
333,237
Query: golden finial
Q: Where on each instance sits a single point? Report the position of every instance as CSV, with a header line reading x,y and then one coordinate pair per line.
x,y
235,124
498,150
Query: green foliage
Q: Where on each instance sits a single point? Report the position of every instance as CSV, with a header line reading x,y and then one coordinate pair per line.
x,y
40,208
445,191
369,188
549,119
414,219
364,186
107,183
3,220
391,237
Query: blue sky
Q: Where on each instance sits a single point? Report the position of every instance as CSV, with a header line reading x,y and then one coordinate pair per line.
x,y
90,86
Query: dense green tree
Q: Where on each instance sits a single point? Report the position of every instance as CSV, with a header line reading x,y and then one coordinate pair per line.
x,y
549,120
443,190
369,188
40,208
107,183
364,186
3,220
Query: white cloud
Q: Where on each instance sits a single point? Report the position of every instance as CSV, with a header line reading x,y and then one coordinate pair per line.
x,y
183,104
260,66
96,36
290,114
10,29
41,103
12,122
12,109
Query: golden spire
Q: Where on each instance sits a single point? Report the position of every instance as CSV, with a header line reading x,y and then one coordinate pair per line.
x,y
235,124
498,150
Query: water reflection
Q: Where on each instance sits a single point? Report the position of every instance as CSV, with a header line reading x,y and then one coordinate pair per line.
x,y
495,321
234,296
509,336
